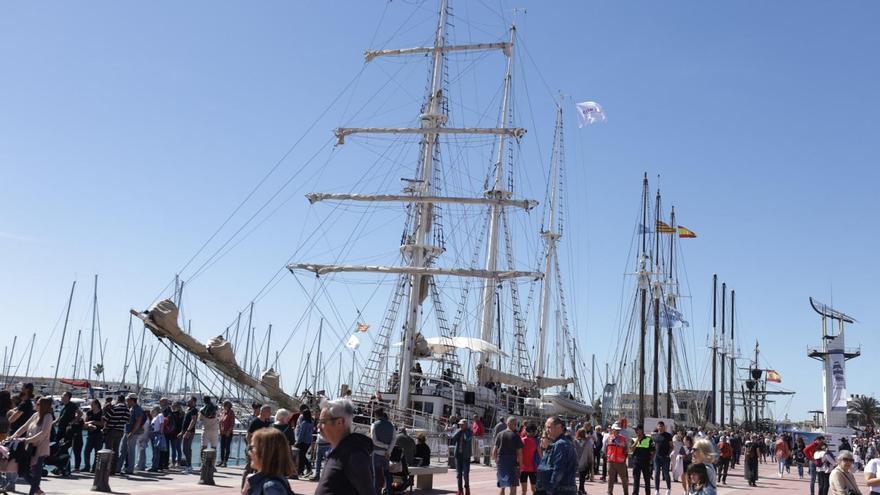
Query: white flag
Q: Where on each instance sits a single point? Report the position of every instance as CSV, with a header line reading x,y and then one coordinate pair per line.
x,y
589,112
353,342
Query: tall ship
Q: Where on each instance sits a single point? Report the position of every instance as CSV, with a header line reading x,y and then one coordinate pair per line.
x,y
652,372
476,320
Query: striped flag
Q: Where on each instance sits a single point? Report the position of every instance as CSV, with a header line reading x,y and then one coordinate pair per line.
x,y
773,376
685,233
664,228
363,327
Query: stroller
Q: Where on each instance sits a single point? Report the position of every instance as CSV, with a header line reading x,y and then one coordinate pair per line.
x,y
59,456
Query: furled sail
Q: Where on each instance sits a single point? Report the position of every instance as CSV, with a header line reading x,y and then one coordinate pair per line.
x,y
498,376
547,382
161,319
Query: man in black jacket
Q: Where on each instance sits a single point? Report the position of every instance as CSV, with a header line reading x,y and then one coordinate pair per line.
x,y
348,467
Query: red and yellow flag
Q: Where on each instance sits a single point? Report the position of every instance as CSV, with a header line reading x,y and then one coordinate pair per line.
x,y
685,233
362,327
664,228
773,376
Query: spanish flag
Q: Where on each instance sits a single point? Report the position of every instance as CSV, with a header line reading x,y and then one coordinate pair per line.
x,y
362,327
773,376
685,233
663,228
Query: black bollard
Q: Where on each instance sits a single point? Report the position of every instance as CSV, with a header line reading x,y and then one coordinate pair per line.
x,y
451,457
103,468
487,455
207,472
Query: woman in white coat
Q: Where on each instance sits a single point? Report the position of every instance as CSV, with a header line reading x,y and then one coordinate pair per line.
x,y
37,432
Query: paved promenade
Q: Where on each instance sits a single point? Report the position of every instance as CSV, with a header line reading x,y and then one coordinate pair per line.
x,y
482,482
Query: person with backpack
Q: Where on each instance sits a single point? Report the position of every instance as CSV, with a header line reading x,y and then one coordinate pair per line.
x,y
157,438
725,452
753,452
809,452
382,434
782,452
272,463
825,464
800,459
209,416
282,424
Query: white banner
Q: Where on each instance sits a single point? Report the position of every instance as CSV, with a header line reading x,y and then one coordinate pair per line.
x,y
835,374
651,424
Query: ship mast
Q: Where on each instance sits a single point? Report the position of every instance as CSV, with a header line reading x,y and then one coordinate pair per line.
x,y
496,192
670,302
422,196
656,294
643,293
723,344
550,236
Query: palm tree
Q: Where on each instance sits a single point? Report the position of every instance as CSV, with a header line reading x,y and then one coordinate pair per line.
x,y
865,409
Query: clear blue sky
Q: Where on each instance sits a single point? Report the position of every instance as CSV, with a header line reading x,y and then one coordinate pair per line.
x,y
128,131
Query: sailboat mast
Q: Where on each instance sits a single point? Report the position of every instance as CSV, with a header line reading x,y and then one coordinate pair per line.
x,y
643,292
27,369
723,345
670,302
94,316
127,344
732,357
656,290
550,236
76,353
714,333
496,191
318,360
431,119
247,339
63,334
268,344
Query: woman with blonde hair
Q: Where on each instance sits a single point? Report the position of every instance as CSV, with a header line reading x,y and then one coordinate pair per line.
x,y
704,453
37,432
272,462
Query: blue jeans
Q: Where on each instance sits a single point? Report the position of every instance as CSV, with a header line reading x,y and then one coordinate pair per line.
x,y
661,464
142,440
176,454
127,450
800,470
157,441
380,472
321,451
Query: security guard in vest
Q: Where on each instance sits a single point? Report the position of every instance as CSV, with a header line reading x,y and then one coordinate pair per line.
x,y
642,451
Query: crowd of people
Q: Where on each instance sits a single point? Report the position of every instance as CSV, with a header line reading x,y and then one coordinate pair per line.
x,y
563,456
161,436
553,457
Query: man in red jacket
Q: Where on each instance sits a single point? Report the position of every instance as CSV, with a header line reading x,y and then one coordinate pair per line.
x,y
809,450
478,431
